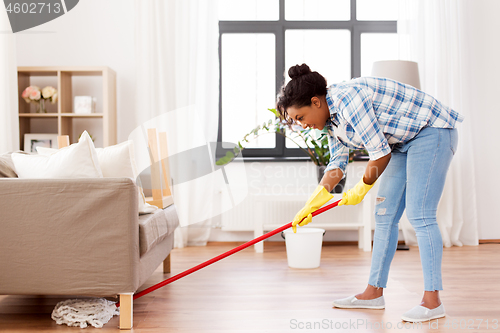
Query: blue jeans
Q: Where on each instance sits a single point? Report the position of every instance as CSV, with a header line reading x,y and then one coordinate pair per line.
x,y
414,179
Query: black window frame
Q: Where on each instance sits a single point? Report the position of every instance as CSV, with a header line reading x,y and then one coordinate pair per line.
x,y
278,28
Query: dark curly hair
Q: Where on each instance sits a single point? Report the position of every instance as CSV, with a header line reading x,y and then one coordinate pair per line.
x,y
299,91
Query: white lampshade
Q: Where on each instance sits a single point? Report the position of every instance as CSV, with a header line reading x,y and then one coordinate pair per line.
x,y
399,70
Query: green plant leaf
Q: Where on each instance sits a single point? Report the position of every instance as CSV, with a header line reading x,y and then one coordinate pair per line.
x,y
276,113
316,141
222,161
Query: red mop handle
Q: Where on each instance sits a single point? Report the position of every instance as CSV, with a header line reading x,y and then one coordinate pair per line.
x,y
225,254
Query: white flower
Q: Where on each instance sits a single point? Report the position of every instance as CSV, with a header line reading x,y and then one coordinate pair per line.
x,y
30,94
53,100
48,91
35,95
26,93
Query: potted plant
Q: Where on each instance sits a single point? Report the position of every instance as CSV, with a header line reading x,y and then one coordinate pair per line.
x,y
315,141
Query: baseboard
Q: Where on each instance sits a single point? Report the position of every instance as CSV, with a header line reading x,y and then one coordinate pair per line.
x,y
282,243
489,241
331,243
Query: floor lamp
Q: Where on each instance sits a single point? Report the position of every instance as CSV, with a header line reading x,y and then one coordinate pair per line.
x,y
402,71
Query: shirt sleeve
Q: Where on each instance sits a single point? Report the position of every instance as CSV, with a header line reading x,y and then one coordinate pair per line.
x,y
357,110
339,155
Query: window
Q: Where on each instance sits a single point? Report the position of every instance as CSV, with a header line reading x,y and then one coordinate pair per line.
x,y
260,39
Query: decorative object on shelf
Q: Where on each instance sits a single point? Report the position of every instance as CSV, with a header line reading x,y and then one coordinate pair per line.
x,y
84,105
33,140
33,94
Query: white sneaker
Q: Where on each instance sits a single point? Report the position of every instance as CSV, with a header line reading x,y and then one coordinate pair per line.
x,y
352,302
421,313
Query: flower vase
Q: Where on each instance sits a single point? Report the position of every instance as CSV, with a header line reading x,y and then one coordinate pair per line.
x,y
40,107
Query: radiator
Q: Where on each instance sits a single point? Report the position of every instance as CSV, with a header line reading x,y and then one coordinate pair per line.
x,y
280,210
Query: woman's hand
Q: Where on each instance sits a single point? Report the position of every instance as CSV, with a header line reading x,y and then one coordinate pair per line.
x,y
319,197
356,194
373,171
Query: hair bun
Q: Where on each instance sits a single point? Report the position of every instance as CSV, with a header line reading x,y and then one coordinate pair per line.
x,y
298,70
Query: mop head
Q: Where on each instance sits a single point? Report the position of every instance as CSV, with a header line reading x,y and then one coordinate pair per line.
x,y
84,312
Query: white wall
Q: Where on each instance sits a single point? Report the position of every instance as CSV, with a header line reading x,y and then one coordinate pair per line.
x,y
100,32
94,33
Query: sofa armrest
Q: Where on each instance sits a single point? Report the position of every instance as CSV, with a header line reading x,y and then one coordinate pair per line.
x,y
68,236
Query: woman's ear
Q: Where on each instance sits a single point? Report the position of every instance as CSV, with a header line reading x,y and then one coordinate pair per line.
x,y
316,101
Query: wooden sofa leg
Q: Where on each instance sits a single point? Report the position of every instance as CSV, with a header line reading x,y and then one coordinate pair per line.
x,y
126,311
166,264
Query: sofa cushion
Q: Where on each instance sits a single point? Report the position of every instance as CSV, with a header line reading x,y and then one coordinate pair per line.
x,y
76,161
115,161
153,228
7,166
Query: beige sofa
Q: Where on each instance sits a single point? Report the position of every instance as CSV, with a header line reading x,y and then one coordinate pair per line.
x,y
80,237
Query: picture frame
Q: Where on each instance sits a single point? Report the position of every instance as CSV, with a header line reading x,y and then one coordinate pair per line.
x,y
33,140
84,104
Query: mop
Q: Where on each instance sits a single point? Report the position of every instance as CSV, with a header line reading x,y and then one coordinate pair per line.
x,y
97,312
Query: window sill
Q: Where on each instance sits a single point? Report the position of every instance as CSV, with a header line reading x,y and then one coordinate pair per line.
x,y
289,159
272,159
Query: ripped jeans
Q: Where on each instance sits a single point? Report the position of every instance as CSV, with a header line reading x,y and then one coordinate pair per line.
x,y
414,179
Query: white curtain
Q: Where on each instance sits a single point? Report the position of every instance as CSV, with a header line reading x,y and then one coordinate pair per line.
x,y
178,76
433,34
9,112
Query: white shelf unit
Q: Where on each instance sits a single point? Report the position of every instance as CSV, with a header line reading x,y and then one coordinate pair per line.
x,y
64,115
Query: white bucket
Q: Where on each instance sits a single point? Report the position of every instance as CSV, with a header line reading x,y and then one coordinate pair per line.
x,y
303,249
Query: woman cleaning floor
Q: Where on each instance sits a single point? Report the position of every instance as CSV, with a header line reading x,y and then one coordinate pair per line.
x,y
411,139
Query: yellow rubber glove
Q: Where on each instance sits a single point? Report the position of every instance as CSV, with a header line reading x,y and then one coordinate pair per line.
x,y
356,194
319,197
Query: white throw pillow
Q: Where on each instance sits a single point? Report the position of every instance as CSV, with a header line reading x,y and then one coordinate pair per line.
x,y
116,161
76,161
119,161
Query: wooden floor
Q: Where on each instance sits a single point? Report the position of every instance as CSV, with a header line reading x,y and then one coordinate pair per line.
x,y
251,292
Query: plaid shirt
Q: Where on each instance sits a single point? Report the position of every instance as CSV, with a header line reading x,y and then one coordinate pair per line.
x,y
376,113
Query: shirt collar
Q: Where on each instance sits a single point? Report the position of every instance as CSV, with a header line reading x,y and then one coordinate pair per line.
x,y
331,107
